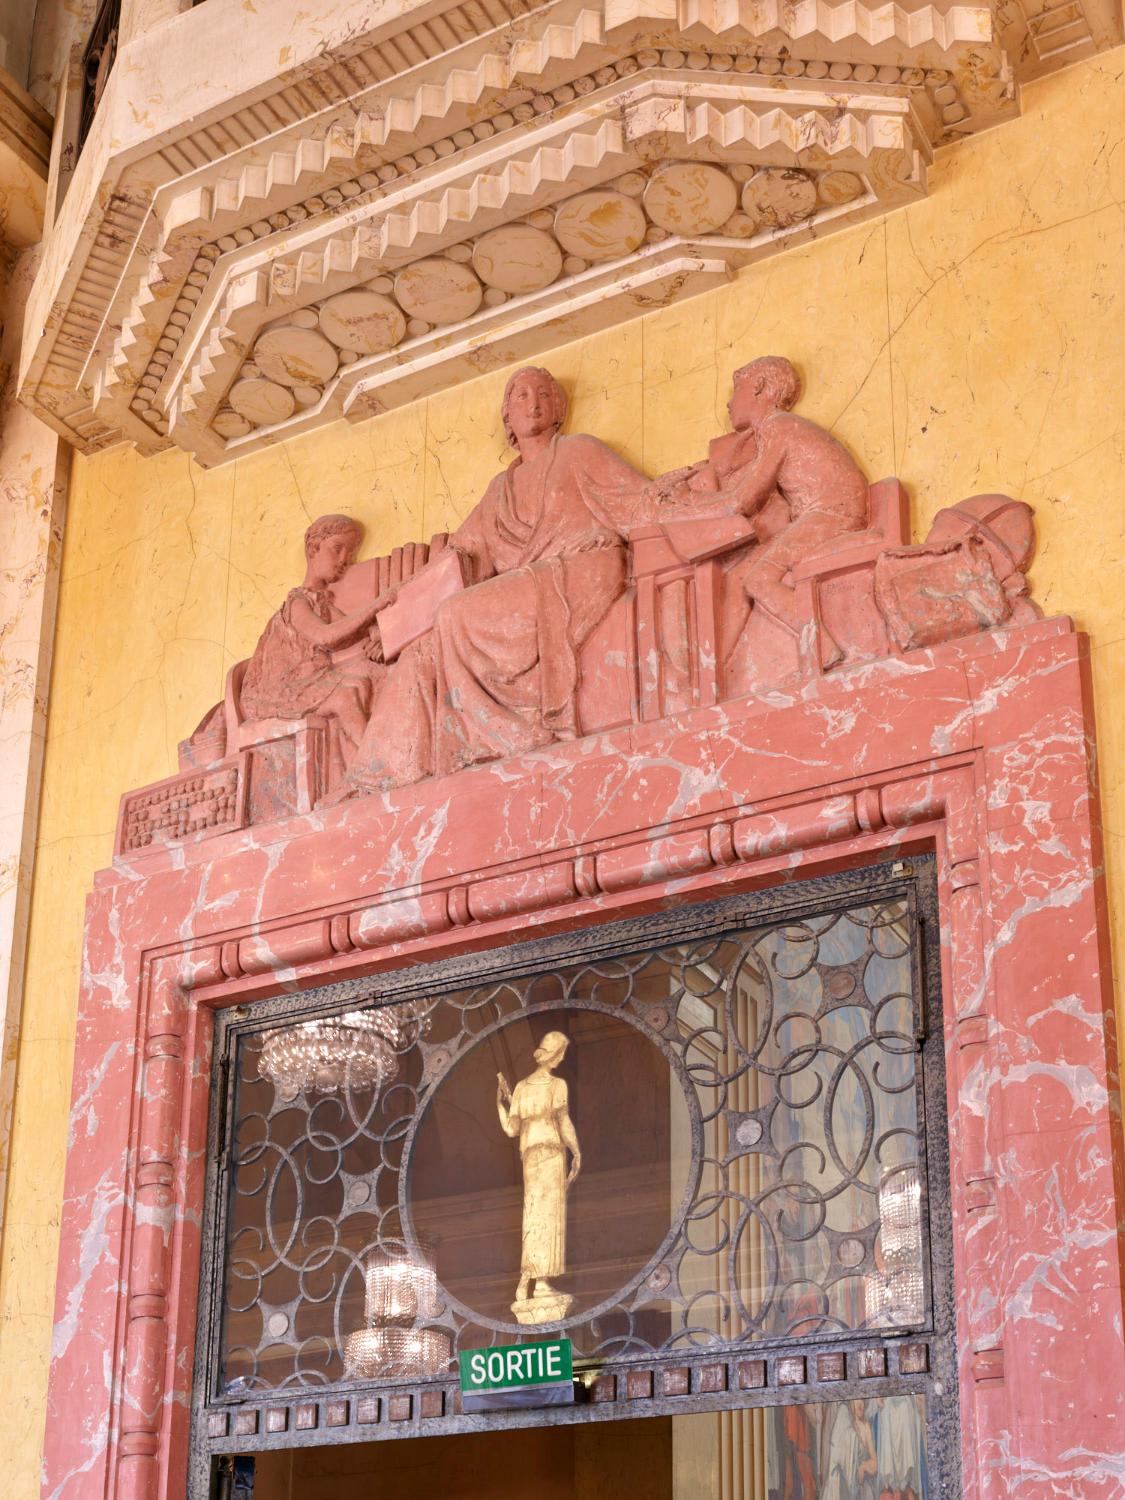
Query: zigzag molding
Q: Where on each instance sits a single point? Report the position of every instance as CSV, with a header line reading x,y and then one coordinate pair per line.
x,y
138,328
496,71
400,114
333,257
606,148
389,153
872,24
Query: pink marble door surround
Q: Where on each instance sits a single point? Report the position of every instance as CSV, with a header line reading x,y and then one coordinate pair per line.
x,y
980,749
648,691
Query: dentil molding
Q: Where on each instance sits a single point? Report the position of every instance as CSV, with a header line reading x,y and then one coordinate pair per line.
x,y
279,220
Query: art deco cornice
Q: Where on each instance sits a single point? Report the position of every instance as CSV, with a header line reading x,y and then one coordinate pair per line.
x,y
222,198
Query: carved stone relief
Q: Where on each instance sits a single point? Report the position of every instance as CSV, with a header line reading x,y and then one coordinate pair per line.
x,y
580,595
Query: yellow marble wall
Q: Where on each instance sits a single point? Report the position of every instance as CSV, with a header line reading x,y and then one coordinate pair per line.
x,y
973,342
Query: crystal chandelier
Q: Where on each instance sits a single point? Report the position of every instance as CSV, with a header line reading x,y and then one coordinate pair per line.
x,y
357,1050
401,1293
895,1294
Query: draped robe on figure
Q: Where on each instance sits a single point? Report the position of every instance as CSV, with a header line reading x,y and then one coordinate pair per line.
x,y
498,674
538,1103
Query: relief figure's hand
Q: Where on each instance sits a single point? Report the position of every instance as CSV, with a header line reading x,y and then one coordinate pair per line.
x,y
373,646
665,486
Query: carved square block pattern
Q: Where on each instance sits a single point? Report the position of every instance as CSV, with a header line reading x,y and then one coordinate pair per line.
x,y
277,1419
872,1361
305,1417
638,1385
675,1382
336,1414
712,1378
603,1389
751,1374
432,1404
914,1359
217,1424
791,1370
988,1364
367,1410
831,1367
245,1423
399,1408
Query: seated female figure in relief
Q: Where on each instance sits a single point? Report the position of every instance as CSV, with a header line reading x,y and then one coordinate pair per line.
x,y
292,672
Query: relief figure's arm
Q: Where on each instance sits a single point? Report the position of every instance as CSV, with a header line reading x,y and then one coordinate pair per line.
x,y
470,541
743,492
333,633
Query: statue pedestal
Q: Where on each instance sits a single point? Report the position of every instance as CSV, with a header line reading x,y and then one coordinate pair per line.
x,y
551,1308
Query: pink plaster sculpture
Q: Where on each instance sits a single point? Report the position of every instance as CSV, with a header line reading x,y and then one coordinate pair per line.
x,y
545,553
416,602
969,574
293,671
580,596
796,479
953,723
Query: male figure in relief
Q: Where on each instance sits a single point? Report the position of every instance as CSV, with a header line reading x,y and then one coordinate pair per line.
x,y
796,482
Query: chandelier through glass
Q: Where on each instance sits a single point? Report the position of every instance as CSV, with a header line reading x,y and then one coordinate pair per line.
x,y
896,1293
401,1294
357,1050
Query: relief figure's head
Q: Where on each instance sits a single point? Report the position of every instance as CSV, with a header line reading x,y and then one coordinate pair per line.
x,y
551,1050
763,386
534,402
331,543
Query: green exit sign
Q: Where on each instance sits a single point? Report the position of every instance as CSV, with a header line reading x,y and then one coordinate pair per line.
x,y
540,1374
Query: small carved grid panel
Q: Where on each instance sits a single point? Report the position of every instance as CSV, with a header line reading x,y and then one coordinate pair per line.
x,y
198,802
719,1188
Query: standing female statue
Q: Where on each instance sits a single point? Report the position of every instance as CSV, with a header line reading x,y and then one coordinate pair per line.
x,y
537,1111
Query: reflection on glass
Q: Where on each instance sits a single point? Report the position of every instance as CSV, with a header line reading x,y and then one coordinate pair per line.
x,y
856,1450
401,1297
895,1292
849,1450
748,1110
357,1050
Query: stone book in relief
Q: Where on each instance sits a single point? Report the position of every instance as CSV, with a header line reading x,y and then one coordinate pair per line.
x,y
414,609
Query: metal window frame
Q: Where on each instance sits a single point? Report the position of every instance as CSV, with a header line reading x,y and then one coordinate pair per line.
x,y
99,54
761,1373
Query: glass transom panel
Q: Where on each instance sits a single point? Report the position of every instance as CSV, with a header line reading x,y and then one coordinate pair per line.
x,y
709,1143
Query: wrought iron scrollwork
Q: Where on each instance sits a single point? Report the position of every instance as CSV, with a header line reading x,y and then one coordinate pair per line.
x,y
791,1164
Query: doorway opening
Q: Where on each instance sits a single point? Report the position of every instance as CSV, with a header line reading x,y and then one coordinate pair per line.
x,y
844,1450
